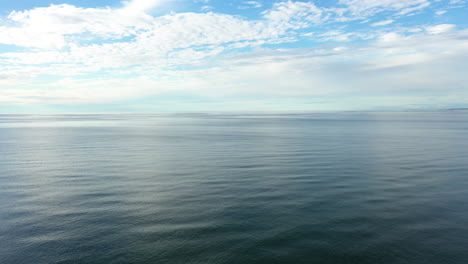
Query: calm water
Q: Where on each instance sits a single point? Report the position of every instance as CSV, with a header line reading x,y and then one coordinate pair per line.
x,y
312,188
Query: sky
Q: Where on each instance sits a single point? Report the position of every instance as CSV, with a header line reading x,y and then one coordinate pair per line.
x,y
232,55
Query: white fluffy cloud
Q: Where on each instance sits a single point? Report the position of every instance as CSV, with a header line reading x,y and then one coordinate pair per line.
x,y
105,55
60,26
138,7
403,63
57,25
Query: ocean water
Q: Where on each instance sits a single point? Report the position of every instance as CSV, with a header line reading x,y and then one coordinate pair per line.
x,y
348,187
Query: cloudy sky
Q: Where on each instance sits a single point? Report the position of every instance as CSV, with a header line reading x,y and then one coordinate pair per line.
x,y
232,55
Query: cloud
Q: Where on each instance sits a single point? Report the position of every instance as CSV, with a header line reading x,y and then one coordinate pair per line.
x,y
400,67
442,28
366,8
382,23
141,6
206,8
250,4
390,37
298,14
77,55
55,26
61,26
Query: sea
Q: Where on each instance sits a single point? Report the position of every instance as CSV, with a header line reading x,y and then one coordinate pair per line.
x,y
325,187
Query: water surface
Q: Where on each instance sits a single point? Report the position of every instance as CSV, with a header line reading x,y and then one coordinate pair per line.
x,y
351,187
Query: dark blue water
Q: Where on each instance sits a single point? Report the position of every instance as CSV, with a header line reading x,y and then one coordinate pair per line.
x,y
305,188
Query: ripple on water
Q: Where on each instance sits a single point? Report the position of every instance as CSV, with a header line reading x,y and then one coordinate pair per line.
x,y
317,188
